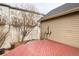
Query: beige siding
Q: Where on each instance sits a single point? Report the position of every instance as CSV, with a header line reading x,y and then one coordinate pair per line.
x,y
64,29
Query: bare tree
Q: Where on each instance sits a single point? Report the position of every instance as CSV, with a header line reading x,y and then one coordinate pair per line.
x,y
24,25
3,34
28,21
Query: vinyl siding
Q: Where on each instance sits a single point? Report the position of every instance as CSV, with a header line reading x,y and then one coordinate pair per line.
x,y
64,29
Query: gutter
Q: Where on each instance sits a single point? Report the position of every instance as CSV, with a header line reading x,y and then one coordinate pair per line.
x,y
21,9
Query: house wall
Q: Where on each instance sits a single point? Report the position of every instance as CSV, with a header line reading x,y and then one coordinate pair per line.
x,y
63,29
4,12
34,34
14,35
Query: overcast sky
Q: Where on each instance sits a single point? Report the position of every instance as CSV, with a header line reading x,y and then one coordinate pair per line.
x,y
46,7
41,7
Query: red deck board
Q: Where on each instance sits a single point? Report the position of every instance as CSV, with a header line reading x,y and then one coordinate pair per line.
x,y
44,48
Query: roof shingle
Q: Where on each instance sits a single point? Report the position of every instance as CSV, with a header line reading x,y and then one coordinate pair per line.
x,y
62,10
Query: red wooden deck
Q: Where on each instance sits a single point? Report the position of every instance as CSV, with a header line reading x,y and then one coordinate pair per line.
x,y
44,48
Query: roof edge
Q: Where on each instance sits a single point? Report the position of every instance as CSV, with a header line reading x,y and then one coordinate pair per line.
x,y
63,13
72,10
2,4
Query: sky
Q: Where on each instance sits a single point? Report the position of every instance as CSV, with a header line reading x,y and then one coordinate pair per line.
x,y
41,7
46,7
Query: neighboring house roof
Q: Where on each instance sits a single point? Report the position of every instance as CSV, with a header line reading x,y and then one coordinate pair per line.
x,y
1,4
62,10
